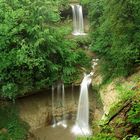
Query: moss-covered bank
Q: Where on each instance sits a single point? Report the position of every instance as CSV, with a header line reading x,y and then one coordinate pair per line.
x,y
121,105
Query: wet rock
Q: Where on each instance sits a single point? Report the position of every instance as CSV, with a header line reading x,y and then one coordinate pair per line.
x,y
97,114
48,119
109,97
3,130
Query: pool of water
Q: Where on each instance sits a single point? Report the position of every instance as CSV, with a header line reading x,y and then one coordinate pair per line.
x,y
57,133
35,108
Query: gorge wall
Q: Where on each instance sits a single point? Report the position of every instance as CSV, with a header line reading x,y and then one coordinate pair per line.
x,y
36,109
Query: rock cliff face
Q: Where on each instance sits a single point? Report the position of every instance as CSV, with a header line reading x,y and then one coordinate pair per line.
x,y
118,98
109,93
36,110
109,97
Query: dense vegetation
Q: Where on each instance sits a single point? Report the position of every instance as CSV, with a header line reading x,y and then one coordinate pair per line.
x,y
34,50
11,126
116,35
115,38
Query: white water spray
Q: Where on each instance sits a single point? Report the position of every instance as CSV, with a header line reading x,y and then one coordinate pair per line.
x,y
81,126
78,22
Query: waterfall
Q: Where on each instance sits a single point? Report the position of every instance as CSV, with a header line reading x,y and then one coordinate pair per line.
x,y
78,23
81,126
59,94
61,101
53,116
72,93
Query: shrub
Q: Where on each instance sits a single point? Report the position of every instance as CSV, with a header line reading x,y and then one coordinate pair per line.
x,y
115,35
14,128
101,136
134,114
34,50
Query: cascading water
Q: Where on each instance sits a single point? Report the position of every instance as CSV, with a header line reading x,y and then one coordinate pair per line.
x,y
81,126
61,100
59,95
63,103
53,119
78,22
72,93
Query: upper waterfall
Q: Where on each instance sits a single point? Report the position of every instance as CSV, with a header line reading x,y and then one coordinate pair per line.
x,y
78,22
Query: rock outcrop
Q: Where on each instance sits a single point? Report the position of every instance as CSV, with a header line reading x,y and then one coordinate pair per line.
x,y
36,110
118,98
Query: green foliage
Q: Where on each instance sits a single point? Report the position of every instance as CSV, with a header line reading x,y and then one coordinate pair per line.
x,y
82,41
101,136
13,127
34,50
134,138
116,35
96,89
84,2
104,136
9,90
129,94
134,114
125,93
